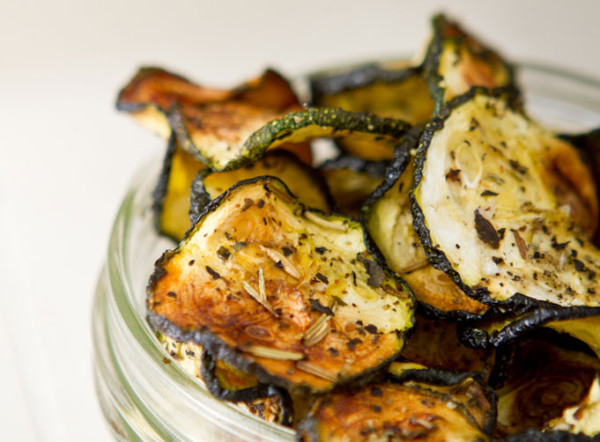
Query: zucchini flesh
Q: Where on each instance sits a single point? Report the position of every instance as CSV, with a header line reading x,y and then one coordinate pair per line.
x,y
302,181
435,344
171,197
270,404
543,380
387,214
282,292
487,214
456,61
395,93
211,124
351,180
389,411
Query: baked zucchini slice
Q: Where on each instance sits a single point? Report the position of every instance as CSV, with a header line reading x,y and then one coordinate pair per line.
x,y
477,397
456,61
302,181
435,344
543,380
395,93
171,196
211,124
351,180
282,292
582,418
390,411
497,227
269,403
387,214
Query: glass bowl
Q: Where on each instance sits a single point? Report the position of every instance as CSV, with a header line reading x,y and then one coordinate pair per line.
x,y
143,393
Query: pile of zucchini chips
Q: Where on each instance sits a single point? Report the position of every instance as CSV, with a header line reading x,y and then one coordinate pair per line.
x,y
438,280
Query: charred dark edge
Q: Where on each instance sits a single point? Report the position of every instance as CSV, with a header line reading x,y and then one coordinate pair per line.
x,y
434,51
532,435
141,74
221,350
473,337
375,169
200,197
323,84
437,258
393,173
278,129
448,378
217,390
162,186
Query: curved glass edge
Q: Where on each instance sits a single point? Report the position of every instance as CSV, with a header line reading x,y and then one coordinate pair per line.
x,y
224,415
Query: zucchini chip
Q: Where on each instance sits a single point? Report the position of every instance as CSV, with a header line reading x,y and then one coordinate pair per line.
x,y
387,214
543,380
390,411
282,292
435,344
456,61
583,418
302,181
478,398
395,93
171,197
351,180
498,330
269,403
487,214
211,124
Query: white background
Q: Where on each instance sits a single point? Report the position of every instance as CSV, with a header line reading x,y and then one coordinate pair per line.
x,y
66,156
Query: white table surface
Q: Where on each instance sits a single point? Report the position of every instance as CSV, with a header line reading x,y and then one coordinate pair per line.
x,y
66,156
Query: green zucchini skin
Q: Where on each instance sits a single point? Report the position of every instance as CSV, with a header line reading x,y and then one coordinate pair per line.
x,y
438,259
312,183
215,345
447,32
301,126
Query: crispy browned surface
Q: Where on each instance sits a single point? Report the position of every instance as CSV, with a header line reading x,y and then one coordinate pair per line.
x,y
434,288
542,381
435,344
201,291
208,115
394,411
